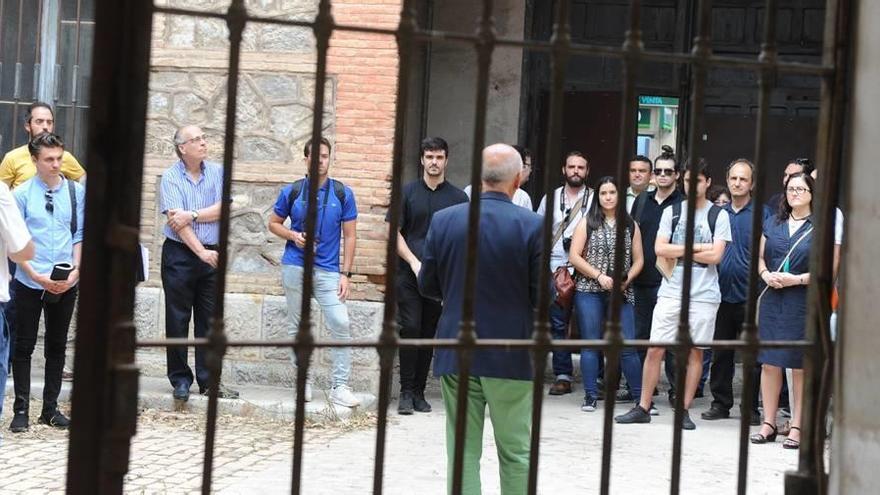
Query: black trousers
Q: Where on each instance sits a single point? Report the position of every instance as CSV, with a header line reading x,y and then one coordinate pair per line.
x,y
28,308
418,318
646,299
190,291
728,326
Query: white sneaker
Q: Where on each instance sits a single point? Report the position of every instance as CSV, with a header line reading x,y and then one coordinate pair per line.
x,y
342,396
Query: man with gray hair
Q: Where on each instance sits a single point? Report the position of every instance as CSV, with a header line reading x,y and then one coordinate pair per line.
x,y
189,195
506,293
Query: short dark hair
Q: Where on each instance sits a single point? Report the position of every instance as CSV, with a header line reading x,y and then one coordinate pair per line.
x,y
668,154
736,161
434,144
716,191
806,164
642,158
44,140
35,105
701,168
523,152
308,147
578,154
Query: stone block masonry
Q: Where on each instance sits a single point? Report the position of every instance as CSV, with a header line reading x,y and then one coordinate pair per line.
x,y
188,85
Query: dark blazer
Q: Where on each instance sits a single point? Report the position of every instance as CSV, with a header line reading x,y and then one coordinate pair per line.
x,y
508,269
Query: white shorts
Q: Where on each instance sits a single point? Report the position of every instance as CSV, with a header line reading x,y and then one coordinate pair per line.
x,y
664,326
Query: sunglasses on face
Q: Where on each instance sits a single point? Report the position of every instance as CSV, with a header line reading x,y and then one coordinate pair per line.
x,y
50,206
664,171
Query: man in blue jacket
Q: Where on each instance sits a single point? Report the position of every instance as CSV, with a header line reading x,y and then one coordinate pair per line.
x,y
508,271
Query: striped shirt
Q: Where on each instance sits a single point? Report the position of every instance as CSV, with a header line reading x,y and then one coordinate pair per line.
x,y
178,190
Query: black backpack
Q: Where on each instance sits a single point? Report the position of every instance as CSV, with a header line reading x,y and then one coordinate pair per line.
x,y
296,190
714,210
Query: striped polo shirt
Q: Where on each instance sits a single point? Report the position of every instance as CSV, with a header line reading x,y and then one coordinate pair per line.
x,y
178,190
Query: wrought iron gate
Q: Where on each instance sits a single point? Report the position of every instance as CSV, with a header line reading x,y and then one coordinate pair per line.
x,y
105,400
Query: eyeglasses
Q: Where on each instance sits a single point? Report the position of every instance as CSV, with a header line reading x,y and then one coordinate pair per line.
x,y
664,171
203,137
50,206
797,190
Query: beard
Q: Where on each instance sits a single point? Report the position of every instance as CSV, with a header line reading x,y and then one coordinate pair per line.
x,y
574,180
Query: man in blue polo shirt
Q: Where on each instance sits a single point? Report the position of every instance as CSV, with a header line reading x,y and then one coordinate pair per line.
x,y
336,212
733,279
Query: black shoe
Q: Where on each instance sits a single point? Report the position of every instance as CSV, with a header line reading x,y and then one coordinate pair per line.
x,y
671,396
19,423
589,404
686,423
635,415
624,395
181,392
406,403
420,404
560,387
54,419
223,392
715,413
759,438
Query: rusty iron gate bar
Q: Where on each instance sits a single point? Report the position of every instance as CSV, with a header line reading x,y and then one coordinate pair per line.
x,y
104,405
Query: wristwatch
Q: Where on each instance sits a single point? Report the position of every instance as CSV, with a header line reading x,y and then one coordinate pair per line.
x,y
347,274
195,215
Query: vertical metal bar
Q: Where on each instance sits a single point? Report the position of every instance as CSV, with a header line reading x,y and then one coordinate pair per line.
x,y
749,328
74,82
818,360
467,334
16,87
104,407
388,338
236,19
16,92
323,29
632,47
561,41
56,93
702,51
35,88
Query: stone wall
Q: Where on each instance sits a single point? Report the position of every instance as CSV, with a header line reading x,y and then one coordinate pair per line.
x,y
274,120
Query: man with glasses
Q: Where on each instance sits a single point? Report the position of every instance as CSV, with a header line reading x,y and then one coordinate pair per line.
x,y
646,211
189,195
52,207
573,200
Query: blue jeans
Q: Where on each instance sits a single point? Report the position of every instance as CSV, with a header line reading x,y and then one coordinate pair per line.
x,y
559,319
592,308
4,356
325,287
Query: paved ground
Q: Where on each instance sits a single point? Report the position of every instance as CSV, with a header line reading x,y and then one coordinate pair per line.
x,y
254,455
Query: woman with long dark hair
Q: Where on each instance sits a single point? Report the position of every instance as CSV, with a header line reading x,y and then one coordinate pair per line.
x,y
592,255
784,266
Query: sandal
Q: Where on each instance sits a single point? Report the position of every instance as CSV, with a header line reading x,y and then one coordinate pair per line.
x,y
760,438
791,444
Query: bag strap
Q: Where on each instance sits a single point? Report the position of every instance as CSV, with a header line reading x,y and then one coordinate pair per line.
x,y
787,256
565,223
71,188
296,190
714,211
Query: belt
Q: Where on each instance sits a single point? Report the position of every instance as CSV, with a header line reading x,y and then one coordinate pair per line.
x,y
212,247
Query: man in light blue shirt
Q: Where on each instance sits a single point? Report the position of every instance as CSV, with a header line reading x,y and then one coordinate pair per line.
x,y
52,208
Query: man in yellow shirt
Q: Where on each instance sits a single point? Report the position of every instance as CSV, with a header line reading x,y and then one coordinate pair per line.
x,y
17,166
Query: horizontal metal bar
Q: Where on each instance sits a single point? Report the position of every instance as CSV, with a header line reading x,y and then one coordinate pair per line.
x,y
480,343
584,49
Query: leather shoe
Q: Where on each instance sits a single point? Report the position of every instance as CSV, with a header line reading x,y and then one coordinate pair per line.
x,y
560,387
405,403
715,413
19,423
420,404
181,392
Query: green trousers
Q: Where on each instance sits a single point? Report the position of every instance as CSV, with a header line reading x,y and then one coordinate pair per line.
x,y
510,409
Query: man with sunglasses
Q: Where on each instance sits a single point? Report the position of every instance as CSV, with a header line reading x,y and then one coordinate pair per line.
x,y
52,207
646,211
189,195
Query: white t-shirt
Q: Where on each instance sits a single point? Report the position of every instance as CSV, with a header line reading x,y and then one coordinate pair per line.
x,y
520,197
558,256
704,281
14,236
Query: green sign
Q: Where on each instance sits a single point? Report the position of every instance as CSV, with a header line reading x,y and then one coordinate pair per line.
x,y
667,119
658,101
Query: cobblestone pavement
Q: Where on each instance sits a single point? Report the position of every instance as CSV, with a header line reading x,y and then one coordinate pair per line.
x,y
254,456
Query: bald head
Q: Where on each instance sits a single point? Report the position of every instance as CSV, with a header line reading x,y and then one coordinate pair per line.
x,y
501,168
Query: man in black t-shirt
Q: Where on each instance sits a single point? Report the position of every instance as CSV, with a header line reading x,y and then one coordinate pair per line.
x,y
646,211
418,315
